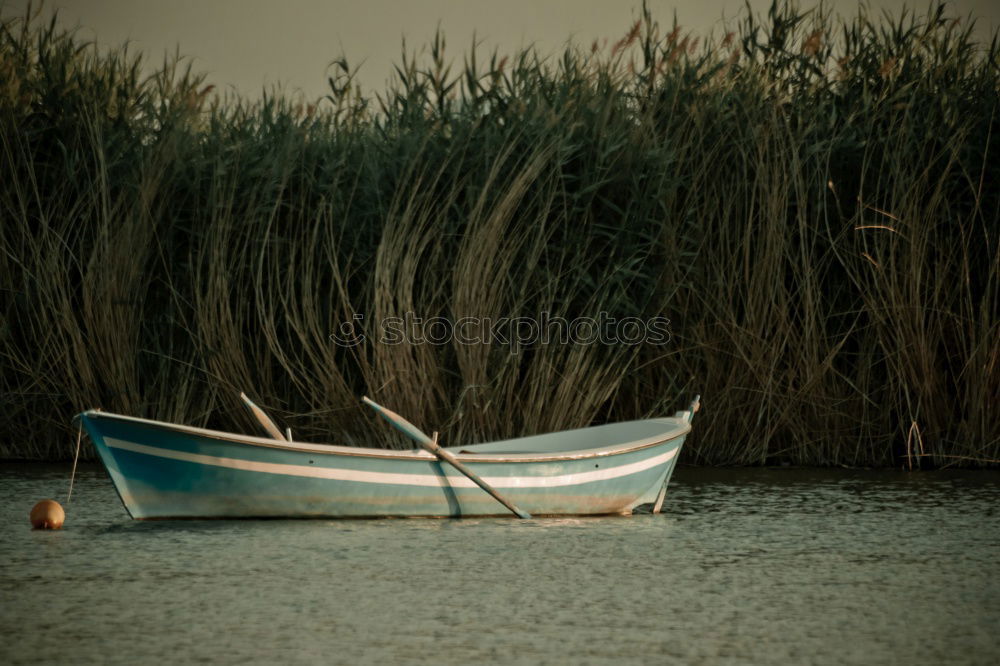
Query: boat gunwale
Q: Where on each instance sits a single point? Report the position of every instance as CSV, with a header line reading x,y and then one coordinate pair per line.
x,y
682,428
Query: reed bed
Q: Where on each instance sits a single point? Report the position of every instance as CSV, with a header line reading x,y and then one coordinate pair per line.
x,y
812,203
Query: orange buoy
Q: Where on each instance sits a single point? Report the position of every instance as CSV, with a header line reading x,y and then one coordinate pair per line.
x,y
47,515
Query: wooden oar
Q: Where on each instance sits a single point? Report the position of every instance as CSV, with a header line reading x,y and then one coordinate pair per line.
x,y
265,420
431,445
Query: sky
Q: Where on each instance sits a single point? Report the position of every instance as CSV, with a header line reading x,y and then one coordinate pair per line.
x,y
247,45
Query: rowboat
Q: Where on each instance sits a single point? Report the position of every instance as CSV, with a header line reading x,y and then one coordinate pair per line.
x,y
166,471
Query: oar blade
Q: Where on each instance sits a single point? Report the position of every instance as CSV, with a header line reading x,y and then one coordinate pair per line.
x,y
398,422
265,420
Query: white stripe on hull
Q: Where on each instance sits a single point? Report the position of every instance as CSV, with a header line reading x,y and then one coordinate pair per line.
x,y
390,478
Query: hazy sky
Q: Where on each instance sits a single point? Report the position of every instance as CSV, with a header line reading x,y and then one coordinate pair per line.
x,y
247,44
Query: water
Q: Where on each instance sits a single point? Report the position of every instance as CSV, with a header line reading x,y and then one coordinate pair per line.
x,y
745,566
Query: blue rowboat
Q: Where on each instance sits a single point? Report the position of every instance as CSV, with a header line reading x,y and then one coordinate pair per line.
x,y
164,470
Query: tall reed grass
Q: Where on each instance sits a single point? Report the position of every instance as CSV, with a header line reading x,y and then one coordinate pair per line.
x,y
812,202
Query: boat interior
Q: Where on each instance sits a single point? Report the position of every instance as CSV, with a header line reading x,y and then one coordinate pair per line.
x,y
606,436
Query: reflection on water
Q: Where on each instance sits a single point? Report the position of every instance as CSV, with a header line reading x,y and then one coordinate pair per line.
x,y
745,566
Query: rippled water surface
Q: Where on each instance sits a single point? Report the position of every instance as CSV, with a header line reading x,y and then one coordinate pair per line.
x,y
744,566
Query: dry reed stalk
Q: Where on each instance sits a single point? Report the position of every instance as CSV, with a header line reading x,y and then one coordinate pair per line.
x,y
815,224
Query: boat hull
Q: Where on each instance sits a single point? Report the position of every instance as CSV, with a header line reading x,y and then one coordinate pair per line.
x,y
165,471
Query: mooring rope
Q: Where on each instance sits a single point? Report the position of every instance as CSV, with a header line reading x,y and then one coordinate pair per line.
x,y
79,435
